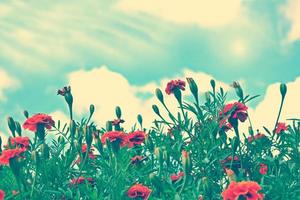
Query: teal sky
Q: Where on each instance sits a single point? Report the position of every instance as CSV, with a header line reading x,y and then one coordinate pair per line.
x,y
41,42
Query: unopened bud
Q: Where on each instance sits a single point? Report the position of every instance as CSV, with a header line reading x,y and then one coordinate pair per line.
x,y
11,125
213,84
159,95
283,89
193,88
155,109
92,109
140,119
26,114
18,128
118,112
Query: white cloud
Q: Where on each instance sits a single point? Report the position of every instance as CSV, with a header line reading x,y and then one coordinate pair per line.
x,y
4,138
204,13
106,89
59,115
6,82
266,111
291,11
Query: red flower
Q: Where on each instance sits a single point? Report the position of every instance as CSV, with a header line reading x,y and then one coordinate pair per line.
x,y
247,189
117,122
20,141
175,177
136,159
2,194
226,163
84,149
81,179
263,169
136,138
281,127
225,125
175,84
236,110
139,190
115,136
9,154
64,91
255,137
38,120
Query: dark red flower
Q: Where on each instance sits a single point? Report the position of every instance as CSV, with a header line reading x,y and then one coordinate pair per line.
x,y
84,149
136,138
263,169
80,180
136,159
9,154
2,195
38,120
175,84
225,125
235,110
226,163
117,122
139,191
176,177
115,136
247,189
281,127
20,141
64,90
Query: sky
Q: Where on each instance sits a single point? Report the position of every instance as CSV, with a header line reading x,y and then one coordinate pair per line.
x,y
116,52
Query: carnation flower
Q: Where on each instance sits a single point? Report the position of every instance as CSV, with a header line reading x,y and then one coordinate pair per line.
x,y
64,91
115,136
10,154
139,191
236,110
175,84
246,189
263,169
136,159
36,120
20,141
80,180
281,127
136,138
176,177
255,137
2,195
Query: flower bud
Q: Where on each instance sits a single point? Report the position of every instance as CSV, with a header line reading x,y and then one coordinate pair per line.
x,y
186,162
213,84
178,96
140,119
159,95
12,125
26,114
207,97
283,89
69,98
193,88
88,137
155,109
118,112
108,126
238,89
92,109
230,174
18,128
0,144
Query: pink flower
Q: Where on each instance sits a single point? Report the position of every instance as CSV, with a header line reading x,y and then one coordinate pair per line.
x,y
115,136
136,159
10,154
20,141
80,180
136,138
139,191
2,195
38,120
281,127
263,169
256,137
236,110
174,84
175,177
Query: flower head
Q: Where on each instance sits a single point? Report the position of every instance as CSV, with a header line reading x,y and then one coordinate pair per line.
x,y
19,141
64,91
175,84
136,138
80,180
235,110
281,127
36,120
10,154
247,189
84,149
115,136
256,137
2,194
137,159
139,191
263,168
176,177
